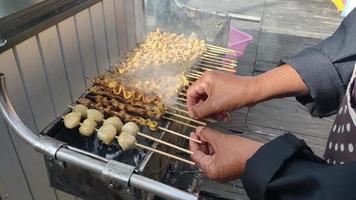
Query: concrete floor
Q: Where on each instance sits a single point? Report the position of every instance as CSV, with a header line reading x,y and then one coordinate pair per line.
x,y
287,27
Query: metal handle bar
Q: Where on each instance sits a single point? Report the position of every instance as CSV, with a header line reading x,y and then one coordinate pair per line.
x,y
111,171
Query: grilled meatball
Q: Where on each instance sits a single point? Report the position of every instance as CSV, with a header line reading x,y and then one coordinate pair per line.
x,y
82,109
95,115
107,133
126,141
88,127
131,128
114,121
72,120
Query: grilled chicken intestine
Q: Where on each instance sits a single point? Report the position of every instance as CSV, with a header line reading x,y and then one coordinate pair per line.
x,y
162,48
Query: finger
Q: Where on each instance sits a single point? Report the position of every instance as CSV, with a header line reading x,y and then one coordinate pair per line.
x,y
198,158
193,146
194,93
207,135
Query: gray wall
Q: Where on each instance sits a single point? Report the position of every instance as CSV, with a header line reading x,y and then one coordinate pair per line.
x,y
45,73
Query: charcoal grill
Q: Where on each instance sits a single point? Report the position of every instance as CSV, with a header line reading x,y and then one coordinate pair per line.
x,y
88,169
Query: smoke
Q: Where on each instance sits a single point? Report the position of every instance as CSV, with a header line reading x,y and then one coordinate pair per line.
x,y
162,80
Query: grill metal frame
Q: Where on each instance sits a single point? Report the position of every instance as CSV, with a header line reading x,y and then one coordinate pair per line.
x,y
60,152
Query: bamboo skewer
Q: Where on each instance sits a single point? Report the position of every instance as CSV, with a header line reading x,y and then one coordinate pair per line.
x,y
186,112
194,74
221,48
181,99
217,55
179,104
179,134
218,62
218,68
179,122
186,118
165,154
203,68
193,77
165,143
183,94
220,59
222,52
196,71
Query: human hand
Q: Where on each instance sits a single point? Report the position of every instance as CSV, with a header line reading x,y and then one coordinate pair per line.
x,y
216,93
221,157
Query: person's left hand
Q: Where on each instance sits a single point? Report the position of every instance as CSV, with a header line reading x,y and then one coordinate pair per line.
x,y
221,157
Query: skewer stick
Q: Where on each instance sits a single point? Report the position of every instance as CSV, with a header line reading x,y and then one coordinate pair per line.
x,y
178,134
186,118
218,62
165,154
214,55
190,76
183,105
197,72
221,48
194,74
186,112
220,59
179,122
220,55
165,143
181,99
178,109
183,94
218,68
222,52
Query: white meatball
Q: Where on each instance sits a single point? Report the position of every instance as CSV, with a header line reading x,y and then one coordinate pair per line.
x,y
114,121
88,127
107,133
72,120
82,109
95,115
130,127
126,141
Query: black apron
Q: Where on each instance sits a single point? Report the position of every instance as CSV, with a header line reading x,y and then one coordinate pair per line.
x,y
341,145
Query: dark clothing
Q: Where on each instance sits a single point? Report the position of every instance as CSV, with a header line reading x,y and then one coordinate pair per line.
x,y
341,144
326,68
286,168
296,173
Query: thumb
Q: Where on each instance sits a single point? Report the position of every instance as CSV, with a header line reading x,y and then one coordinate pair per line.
x,y
207,135
200,159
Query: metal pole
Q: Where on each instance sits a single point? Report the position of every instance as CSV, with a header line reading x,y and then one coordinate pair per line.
x,y
160,189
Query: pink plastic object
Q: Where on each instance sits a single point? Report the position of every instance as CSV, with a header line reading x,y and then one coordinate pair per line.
x,y
239,41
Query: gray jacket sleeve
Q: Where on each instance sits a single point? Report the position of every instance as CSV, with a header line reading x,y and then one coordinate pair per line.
x,y
326,68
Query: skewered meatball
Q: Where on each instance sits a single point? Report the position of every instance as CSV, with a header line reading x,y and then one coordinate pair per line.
x,y
82,109
131,128
95,115
114,121
107,133
88,127
72,120
126,141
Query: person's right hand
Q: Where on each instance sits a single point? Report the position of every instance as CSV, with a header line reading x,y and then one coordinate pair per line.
x,y
216,92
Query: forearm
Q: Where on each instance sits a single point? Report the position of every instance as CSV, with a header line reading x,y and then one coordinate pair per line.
x,y
280,82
